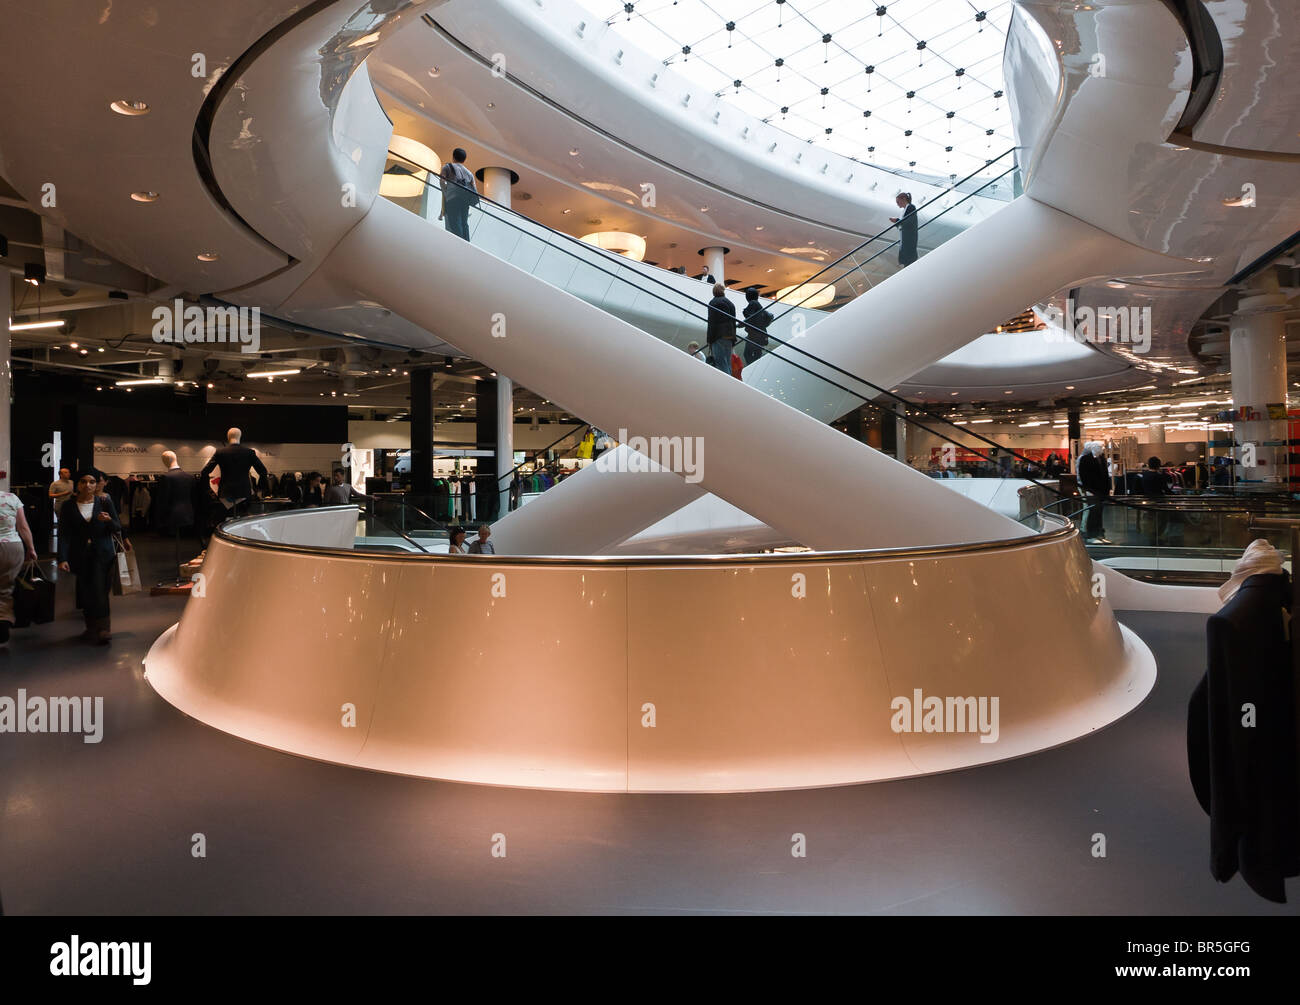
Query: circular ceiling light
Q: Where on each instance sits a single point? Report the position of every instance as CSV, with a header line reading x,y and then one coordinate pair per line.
x,y
434,71
408,167
125,107
145,196
628,245
810,295
209,256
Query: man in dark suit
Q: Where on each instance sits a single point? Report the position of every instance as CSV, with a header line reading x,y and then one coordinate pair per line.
x,y
235,460
722,329
757,318
1095,482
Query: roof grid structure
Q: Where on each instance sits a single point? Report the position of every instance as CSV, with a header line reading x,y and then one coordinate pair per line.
x,y
911,85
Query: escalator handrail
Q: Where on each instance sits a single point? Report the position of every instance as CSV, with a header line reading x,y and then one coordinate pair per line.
x,y
430,176
1123,503
387,523
536,453
892,244
894,226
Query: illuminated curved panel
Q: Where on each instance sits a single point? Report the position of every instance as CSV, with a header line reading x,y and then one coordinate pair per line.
x,y
603,675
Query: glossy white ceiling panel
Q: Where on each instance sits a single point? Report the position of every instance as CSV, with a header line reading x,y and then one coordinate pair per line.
x,y
1255,107
1110,159
68,153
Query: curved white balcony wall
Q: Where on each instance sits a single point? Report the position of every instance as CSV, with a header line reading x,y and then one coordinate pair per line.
x,y
322,527
780,688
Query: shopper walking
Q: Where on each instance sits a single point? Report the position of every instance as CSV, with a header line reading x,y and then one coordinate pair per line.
x,y
458,194
1094,479
61,488
86,550
722,329
757,318
907,227
17,549
482,546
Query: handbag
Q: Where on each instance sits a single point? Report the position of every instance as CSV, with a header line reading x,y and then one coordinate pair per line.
x,y
128,570
33,598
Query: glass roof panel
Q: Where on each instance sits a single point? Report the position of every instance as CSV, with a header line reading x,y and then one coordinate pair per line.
x,y
815,68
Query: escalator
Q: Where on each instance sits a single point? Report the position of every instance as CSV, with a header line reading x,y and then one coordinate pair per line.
x,y
814,356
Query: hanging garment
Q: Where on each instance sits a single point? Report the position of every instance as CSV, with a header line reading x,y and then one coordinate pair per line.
x,y
1241,739
140,501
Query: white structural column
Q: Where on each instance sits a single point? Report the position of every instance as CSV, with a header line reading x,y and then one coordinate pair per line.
x,y
1258,358
715,262
505,442
6,379
496,186
900,432
496,183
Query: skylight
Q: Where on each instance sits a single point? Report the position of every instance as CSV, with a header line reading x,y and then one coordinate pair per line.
x,y
914,86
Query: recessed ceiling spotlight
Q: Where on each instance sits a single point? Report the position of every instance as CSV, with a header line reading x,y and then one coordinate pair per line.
x,y
574,151
759,227
491,104
434,71
144,196
209,256
566,212
125,107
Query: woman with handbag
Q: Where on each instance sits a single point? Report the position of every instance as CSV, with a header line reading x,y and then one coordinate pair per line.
x,y
17,549
89,522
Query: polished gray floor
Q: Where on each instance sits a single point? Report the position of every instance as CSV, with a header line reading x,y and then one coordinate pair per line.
x,y
108,828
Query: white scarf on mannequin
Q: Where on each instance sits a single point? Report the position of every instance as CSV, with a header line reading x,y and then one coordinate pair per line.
x,y
1259,558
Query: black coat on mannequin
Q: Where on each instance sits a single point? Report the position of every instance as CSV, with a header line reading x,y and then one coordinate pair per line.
x,y
1241,740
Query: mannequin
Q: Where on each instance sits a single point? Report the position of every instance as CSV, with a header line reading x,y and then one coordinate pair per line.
x,y
1241,729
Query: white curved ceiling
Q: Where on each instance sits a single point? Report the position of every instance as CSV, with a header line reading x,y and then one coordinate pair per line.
x,y
933,67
